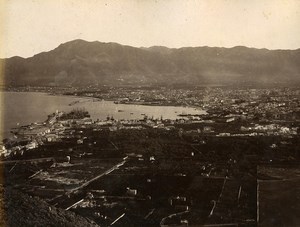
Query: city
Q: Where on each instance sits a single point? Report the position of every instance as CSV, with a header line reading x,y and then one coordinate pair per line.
x,y
194,170
150,113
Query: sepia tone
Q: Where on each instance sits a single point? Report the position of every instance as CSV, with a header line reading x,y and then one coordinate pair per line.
x,y
149,113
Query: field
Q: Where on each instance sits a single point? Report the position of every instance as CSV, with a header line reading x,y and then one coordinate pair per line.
x,y
279,196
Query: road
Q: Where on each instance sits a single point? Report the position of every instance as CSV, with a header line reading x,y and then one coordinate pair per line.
x,y
99,176
219,199
59,199
122,215
28,160
257,202
212,209
218,225
171,216
168,175
221,193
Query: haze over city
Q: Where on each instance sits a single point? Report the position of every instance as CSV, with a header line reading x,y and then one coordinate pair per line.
x,y
30,27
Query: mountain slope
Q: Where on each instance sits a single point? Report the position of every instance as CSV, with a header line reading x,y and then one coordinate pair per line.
x,y
81,63
19,209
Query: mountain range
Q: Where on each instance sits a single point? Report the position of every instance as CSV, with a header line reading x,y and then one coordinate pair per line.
x,y
82,63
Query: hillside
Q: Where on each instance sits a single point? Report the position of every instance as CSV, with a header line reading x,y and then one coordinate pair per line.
x,y
81,63
19,209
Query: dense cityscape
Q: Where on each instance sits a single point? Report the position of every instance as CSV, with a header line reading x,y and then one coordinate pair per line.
x,y
218,168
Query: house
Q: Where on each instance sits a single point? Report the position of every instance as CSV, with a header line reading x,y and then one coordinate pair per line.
x,y
131,192
182,208
3,150
113,128
51,137
31,145
178,200
230,119
207,129
80,141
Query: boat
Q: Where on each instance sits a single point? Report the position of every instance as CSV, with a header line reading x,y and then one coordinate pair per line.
x,y
184,115
73,103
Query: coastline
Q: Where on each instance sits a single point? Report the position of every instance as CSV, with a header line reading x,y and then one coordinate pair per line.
x,y
115,100
16,113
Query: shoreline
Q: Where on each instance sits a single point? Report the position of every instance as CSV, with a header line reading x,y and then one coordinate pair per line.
x,y
10,121
114,100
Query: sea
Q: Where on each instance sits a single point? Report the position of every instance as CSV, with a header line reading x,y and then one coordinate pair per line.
x,y
23,108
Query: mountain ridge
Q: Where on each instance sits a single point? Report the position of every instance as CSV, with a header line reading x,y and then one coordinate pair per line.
x,y
82,63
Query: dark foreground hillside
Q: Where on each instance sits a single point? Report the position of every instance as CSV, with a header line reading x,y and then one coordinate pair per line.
x,y
24,210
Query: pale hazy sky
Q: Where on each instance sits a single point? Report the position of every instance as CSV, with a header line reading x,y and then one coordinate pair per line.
x,y
31,26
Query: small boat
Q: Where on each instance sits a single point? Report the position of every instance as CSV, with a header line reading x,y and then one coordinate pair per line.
x,y
73,103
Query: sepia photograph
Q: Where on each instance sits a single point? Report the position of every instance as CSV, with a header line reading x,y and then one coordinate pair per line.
x,y
150,113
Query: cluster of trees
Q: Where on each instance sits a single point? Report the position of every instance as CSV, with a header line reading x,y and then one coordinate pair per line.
x,y
78,113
